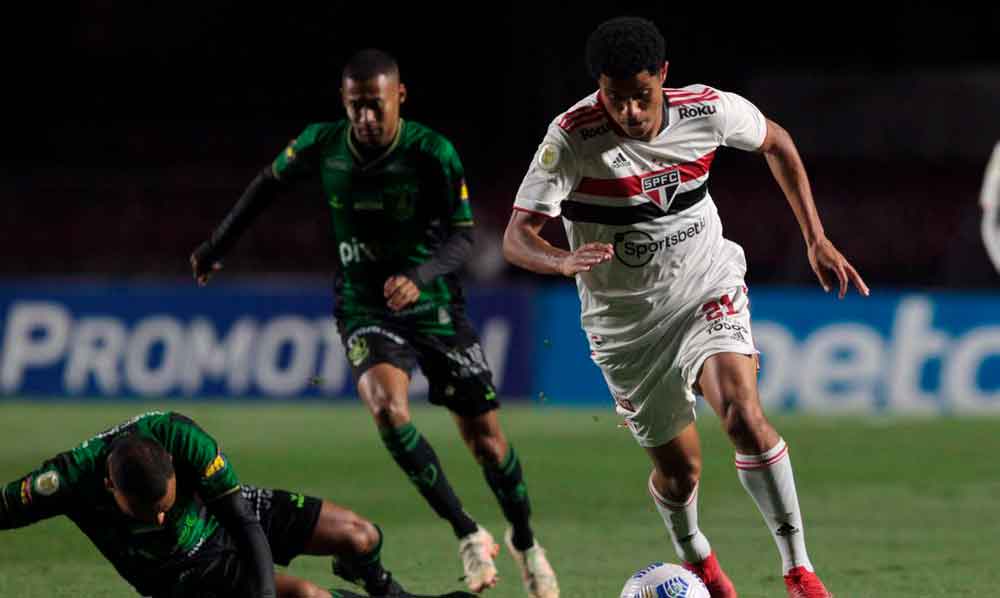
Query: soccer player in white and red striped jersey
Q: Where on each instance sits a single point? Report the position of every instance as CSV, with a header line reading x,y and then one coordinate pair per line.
x,y
662,294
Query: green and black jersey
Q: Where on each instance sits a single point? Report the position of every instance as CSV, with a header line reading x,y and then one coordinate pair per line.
x,y
389,213
73,484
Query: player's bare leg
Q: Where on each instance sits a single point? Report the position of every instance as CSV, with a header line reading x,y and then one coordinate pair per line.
x,y
383,389
502,469
288,586
728,381
673,485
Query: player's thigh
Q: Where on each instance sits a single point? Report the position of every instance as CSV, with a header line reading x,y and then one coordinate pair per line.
x,y
718,339
729,379
381,358
456,368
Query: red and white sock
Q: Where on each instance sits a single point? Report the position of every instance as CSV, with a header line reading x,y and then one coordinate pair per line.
x,y
769,481
681,519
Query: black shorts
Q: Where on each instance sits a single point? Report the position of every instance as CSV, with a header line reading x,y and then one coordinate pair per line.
x,y
455,365
288,520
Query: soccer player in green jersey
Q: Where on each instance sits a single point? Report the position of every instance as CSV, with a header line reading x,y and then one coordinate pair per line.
x,y
402,226
160,500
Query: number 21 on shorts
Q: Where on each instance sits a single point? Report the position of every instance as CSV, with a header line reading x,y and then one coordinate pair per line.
x,y
715,309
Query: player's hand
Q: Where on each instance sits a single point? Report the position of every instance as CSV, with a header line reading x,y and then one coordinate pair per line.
x,y
824,258
399,292
585,257
203,265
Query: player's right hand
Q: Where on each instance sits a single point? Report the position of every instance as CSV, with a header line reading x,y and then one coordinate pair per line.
x,y
585,257
203,265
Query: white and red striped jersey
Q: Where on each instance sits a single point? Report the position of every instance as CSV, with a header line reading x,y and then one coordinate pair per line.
x,y
650,200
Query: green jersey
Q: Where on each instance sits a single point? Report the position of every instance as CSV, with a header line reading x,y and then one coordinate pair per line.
x,y
390,213
146,555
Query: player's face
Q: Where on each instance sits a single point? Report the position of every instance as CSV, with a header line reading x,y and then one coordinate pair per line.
x,y
636,102
154,513
372,106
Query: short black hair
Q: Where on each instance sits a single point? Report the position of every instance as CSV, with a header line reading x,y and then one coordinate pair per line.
x,y
140,467
370,63
625,46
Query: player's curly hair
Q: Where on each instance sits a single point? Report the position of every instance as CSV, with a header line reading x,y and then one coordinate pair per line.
x,y
370,63
625,46
140,467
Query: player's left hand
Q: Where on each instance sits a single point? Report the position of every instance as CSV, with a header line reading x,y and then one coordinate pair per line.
x,y
399,292
824,258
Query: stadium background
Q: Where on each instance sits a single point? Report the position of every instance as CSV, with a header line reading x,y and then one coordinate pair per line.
x,y
133,129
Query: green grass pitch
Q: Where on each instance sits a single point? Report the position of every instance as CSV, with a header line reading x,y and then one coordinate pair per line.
x,y
893,507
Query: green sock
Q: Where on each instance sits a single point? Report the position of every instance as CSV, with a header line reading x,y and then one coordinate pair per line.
x,y
507,483
416,457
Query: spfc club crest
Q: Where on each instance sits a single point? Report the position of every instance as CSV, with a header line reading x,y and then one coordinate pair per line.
x,y
660,187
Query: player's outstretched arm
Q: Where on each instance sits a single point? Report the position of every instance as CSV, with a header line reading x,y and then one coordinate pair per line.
x,y
786,166
207,257
523,246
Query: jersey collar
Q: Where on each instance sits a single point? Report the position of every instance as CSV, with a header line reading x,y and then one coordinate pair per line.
x,y
367,164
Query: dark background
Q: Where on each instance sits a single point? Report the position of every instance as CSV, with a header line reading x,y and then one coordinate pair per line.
x,y
131,130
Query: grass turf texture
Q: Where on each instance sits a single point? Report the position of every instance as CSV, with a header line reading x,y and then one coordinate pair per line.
x,y
892,507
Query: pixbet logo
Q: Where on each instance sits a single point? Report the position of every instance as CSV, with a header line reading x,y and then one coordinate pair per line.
x,y
354,251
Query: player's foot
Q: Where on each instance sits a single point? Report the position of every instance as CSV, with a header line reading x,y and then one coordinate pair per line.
x,y
477,551
718,583
536,572
803,583
383,586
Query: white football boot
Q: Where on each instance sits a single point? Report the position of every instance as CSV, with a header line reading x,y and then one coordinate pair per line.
x,y
536,572
477,551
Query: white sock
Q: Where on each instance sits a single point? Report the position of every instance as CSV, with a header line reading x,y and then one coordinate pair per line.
x,y
681,519
768,479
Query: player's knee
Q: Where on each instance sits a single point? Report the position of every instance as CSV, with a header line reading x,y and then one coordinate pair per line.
x,y
743,420
362,536
388,410
488,450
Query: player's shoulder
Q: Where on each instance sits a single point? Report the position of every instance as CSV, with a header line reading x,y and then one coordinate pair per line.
x,y
422,138
690,94
580,119
320,132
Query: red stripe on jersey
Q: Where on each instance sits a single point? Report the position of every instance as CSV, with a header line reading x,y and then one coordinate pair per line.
x,y
570,119
710,98
526,210
582,122
683,93
632,185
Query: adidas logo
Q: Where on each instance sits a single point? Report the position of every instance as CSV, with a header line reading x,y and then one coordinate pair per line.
x,y
786,529
620,162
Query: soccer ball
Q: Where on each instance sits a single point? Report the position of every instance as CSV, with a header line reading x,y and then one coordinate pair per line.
x,y
664,580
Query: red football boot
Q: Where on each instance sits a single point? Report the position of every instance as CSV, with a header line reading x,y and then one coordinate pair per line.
x,y
716,580
802,583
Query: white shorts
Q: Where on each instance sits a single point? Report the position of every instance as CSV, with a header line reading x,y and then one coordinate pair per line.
x,y
653,386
